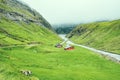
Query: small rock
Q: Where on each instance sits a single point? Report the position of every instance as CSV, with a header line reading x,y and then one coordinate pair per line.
x,y
26,72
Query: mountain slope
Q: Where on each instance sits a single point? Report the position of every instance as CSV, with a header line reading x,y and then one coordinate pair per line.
x,y
100,35
22,28
19,24
17,11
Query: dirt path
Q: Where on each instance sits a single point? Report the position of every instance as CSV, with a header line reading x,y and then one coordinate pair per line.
x,y
111,56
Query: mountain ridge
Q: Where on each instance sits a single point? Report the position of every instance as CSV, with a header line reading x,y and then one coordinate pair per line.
x,y
18,11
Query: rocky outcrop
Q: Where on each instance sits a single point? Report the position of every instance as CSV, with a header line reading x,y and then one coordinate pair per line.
x,y
17,11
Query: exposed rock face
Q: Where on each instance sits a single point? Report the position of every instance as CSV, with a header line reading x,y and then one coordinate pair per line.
x,y
18,11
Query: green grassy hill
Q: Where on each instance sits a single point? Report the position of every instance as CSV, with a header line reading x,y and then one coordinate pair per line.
x,y
101,35
20,33
19,25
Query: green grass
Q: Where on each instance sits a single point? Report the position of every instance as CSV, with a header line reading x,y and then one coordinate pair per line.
x,y
49,63
44,60
101,35
15,7
25,30
22,33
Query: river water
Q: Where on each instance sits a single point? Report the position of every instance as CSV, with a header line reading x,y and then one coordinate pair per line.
x,y
113,57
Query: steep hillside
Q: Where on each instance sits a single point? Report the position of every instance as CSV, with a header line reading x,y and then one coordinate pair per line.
x,y
17,11
100,35
19,24
22,28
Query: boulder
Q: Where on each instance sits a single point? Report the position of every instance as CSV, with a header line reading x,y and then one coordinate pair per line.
x,y
26,72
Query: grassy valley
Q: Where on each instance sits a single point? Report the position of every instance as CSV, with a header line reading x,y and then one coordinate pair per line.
x,y
49,63
101,35
27,43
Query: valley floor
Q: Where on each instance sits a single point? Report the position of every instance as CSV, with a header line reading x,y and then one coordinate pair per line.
x,y
49,63
112,56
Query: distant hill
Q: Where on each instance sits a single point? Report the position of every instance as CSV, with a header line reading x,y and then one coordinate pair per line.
x,y
19,24
100,35
63,28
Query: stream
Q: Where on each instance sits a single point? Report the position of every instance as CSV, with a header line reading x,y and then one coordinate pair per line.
x,y
111,56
